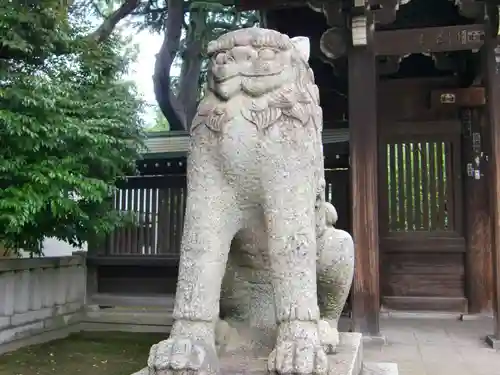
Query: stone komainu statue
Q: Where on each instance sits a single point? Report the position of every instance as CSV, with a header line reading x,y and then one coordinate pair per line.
x,y
261,265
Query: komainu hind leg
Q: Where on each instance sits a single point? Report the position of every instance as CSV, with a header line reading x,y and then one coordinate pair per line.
x,y
211,221
335,268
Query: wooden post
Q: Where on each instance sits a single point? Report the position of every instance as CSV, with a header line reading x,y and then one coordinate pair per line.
x,y
492,82
364,199
477,217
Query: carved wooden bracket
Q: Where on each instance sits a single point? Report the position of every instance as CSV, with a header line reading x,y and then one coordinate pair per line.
x,y
470,8
388,64
384,11
395,44
333,42
332,11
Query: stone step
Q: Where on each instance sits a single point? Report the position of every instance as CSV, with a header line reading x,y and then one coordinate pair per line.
x,y
380,368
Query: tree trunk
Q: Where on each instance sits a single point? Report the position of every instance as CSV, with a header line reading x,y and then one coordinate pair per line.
x,y
171,106
189,90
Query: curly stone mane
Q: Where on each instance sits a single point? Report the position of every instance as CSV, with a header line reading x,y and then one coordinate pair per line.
x,y
290,95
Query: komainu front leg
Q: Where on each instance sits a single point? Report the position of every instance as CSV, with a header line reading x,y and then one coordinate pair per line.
x,y
210,224
335,267
292,251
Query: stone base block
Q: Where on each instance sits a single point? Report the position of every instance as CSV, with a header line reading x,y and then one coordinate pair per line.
x,y
492,341
347,361
380,368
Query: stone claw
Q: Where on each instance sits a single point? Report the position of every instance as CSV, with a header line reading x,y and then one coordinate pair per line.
x,y
181,356
298,358
298,351
329,336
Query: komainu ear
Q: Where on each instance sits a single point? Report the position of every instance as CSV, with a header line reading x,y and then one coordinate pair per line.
x,y
303,46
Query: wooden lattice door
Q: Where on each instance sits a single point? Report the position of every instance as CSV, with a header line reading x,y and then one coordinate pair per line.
x,y
422,244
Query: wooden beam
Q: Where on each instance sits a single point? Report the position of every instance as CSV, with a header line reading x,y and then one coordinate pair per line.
x,y
243,5
477,217
492,82
431,39
363,150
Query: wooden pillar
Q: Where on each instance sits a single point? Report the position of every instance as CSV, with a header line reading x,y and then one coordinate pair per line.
x,y
492,82
364,200
477,216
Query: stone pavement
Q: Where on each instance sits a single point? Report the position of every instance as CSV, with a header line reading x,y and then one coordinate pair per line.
x,y
436,346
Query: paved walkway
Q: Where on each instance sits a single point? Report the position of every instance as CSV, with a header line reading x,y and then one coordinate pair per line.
x,y
437,346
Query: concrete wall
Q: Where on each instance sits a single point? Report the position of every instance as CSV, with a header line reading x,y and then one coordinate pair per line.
x,y
43,299
40,299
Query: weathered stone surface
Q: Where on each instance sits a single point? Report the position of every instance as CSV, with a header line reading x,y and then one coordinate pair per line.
x,y
4,321
30,316
493,341
28,313
347,361
22,291
380,368
258,237
16,333
7,293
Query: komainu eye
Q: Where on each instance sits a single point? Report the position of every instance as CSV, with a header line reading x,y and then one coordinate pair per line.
x,y
221,58
267,54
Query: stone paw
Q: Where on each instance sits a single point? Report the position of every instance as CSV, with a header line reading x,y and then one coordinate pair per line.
x,y
328,336
182,356
298,351
298,358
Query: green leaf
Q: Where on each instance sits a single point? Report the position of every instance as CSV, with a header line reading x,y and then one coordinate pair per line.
x,y
70,127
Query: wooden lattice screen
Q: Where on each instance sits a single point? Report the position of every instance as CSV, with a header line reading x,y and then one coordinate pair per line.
x,y
419,186
158,204
159,216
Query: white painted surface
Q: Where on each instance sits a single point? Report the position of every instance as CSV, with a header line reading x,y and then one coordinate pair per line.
x,y
52,247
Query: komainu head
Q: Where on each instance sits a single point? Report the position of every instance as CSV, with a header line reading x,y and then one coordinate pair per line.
x,y
256,61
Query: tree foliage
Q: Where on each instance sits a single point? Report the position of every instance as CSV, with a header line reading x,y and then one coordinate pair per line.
x,y
70,127
160,122
199,22
187,26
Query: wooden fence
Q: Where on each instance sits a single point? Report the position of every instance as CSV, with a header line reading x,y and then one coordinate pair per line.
x,y
139,262
157,204
417,186
420,187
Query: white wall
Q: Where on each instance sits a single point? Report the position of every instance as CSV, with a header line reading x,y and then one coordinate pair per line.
x,y
52,247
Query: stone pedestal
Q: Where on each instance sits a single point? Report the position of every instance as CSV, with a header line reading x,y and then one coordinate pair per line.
x,y
347,361
493,342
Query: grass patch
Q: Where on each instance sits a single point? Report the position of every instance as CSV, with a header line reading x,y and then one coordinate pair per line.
x,y
86,353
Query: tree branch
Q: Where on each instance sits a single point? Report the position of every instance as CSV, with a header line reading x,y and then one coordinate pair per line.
x,y
108,25
170,105
192,61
